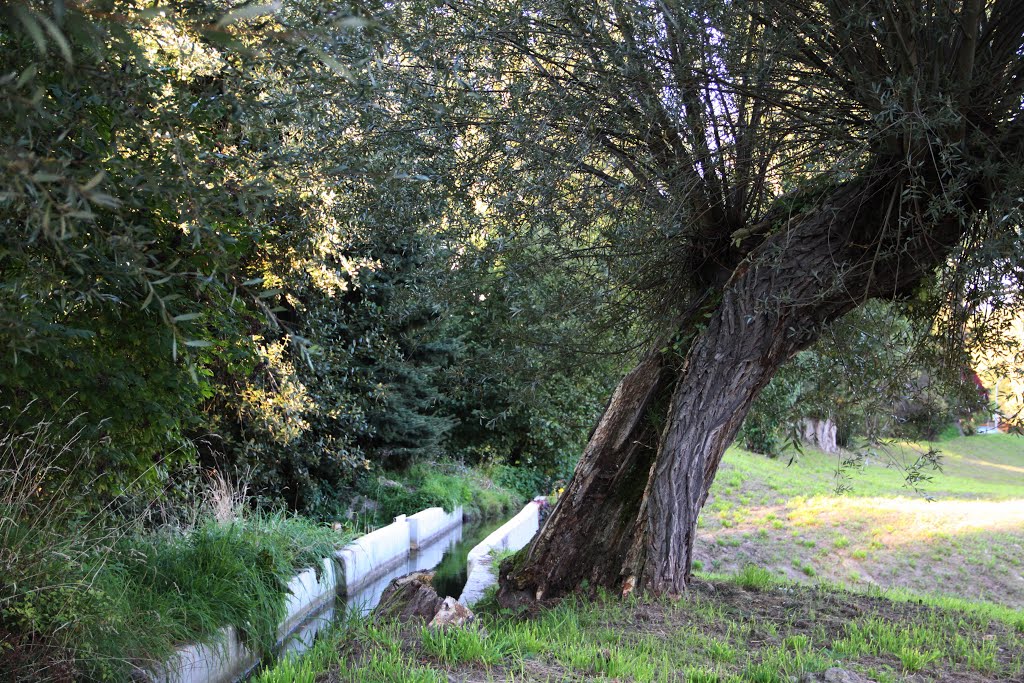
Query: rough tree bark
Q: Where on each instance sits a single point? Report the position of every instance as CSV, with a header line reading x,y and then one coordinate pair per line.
x,y
628,517
610,477
819,433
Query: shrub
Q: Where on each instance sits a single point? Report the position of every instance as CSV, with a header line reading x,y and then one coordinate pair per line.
x,y
526,481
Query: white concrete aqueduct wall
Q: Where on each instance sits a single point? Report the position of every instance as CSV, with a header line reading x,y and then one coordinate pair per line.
x,y
512,535
364,560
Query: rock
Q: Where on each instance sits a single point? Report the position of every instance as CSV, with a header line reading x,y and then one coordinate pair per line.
x,y
835,675
413,597
409,597
451,613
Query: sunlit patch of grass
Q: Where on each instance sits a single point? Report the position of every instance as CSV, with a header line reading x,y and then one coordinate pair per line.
x,y
896,537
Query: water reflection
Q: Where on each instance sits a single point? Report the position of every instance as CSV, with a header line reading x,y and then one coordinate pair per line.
x,y
447,554
451,573
367,597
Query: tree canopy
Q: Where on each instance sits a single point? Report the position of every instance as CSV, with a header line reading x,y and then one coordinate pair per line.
x,y
309,240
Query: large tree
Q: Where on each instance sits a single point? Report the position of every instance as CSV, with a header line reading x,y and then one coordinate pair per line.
x,y
744,173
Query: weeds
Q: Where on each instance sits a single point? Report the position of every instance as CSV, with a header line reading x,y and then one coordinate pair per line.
x,y
454,645
754,577
302,668
446,485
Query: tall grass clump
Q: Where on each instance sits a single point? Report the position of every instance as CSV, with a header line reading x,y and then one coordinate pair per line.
x,y
48,575
221,573
754,577
89,594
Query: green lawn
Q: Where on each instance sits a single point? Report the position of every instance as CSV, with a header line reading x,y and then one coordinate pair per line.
x,y
989,467
935,590
968,540
748,628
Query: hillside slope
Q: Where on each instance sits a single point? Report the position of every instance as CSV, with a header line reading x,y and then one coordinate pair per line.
x,y
967,541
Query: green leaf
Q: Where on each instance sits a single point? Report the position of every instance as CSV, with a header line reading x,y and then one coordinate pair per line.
x,y
332,63
104,199
58,37
248,12
94,181
29,20
27,74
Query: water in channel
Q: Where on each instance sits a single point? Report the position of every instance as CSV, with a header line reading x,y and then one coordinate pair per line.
x,y
446,555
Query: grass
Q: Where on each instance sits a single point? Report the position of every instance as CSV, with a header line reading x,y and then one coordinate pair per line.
x,y
752,576
130,603
499,556
220,574
385,661
93,597
302,668
989,467
442,484
966,540
743,628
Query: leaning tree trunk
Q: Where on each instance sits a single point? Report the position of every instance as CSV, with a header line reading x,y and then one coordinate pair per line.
x,y
628,518
610,478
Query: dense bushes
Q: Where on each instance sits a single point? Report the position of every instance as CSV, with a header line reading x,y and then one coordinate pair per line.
x,y
119,255
355,384
189,278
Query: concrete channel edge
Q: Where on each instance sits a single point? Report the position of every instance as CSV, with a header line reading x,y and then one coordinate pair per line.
x,y
512,535
363,560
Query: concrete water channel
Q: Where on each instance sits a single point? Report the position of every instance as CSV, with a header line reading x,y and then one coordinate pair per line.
x,y
446,555
353,581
